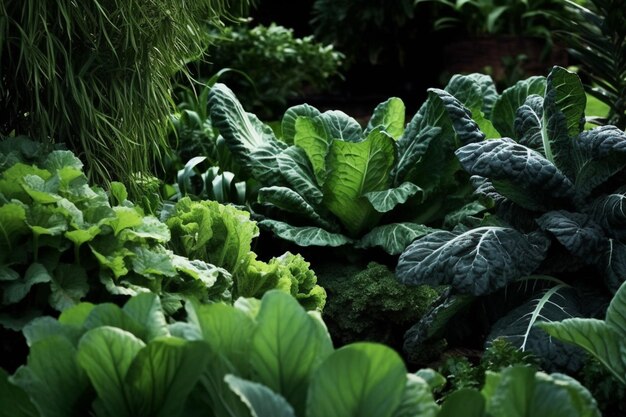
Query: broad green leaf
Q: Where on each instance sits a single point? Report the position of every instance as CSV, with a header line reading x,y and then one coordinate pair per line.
x,y
125,217
80,236
417,399
341,127
44,327
463,402
518,173
146,309
286,348
357,168
15,291
71,212
114,259
358,380
163,374
12,226
261,400
118,192
106,354
479,261
77,315
52,378
580,397
616,313
40,190
529,123
466,128
148,262
503,115
288,124
7,274
11,180
305,235
45,220
243,132
57,160
311,135
296,168
290,201
393,238
390,115
473,90
111,315
15,402
263,164
149,228
69,285
197,269
386,200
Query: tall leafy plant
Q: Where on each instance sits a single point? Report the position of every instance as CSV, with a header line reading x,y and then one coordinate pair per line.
x,y
98,75
557,192
331,182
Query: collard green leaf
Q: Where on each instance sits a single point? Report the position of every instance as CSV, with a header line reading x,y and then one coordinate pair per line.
x,y
163,374
464,402
261,400
417,399
393,238
518,328
296,168
529,123
14,400
15,291
311,135
69,285
243,132
263,164
518,173
577,232
52,378
609,211
305,235
106,354
478,94
286,348
478,262
412,146
361,379
616,313
465,127
386,200
512,98
288,123
598,154
289,200
357,168
390,115
341,127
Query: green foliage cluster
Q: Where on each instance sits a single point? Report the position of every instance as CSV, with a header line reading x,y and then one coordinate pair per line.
x,y
268,65
327,181
97,75
244,360
370,304
222,235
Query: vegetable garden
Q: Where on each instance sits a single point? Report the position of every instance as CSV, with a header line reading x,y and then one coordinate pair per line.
x,y
179,238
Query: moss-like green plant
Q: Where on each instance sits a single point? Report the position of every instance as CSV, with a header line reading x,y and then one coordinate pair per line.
x,y
97,74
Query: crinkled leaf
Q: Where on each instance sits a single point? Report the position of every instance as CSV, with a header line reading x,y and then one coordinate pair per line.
x,y
286,348
163,374
341,127
577,232
386,200
518,173
59,159
390,115
197,269
148,262
609,211
393,238
465,127
263,164
261,401
361,379
296,168
15,291
112,258
289,200
52,378
149,228
529,123
69,285
106,354
357,168
305,235
288,123
312,136
478,262
512,98
477,93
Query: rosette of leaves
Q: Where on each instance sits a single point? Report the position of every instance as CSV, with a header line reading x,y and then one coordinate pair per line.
x,y
329,182
222,235
558,195
62,241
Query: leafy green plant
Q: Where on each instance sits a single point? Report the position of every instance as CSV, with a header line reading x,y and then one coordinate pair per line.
x,y
595,33
604,339
243,360
98,77
268,65
63,241
329,182
222,235
557,193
